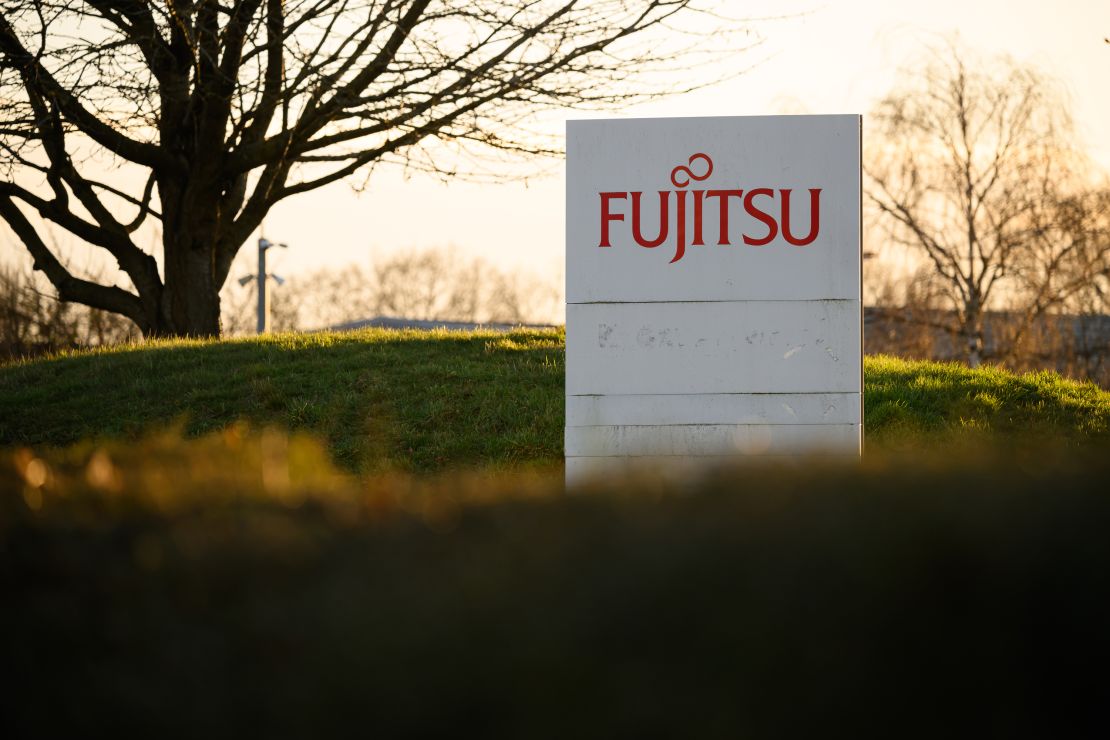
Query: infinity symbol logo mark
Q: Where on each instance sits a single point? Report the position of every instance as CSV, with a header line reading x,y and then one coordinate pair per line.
x,y
689,174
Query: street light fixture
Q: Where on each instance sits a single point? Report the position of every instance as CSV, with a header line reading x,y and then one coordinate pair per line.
x,y
261,276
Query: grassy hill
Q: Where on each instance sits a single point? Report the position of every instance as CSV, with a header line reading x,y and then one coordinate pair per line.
x,y
429,401
379,399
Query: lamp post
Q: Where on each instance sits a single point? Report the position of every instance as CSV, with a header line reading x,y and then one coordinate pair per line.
x,y
260,277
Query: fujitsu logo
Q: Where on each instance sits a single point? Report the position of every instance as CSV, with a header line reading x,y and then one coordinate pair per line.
x,y
758,206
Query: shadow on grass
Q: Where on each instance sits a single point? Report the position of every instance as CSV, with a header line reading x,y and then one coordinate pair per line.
x,y
420,401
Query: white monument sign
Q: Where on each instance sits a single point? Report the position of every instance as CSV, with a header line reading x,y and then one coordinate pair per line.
x,y
713,288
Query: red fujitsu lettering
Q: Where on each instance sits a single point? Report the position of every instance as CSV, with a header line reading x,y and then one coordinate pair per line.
x,y
724,195
814,217
772,227
606,217
699,168
697,240
664,201
680,222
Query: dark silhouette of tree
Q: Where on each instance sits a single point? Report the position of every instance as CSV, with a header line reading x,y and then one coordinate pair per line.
x,y
222,108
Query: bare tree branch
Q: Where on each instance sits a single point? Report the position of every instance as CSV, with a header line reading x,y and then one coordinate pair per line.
x,y
70,288
222,109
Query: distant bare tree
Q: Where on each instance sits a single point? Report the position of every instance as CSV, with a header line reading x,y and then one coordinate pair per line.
x,y
33,322
328,297
426,284
1066,264
974,168
515,298
907,313
221,109
441,284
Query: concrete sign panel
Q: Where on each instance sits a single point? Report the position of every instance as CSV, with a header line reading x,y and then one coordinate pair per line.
x,y
713,288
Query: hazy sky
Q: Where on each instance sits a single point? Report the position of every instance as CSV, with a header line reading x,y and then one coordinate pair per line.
x,y
838,56
834,57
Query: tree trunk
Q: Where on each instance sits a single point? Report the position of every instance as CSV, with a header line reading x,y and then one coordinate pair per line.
x,y
190,302
973,334
191,297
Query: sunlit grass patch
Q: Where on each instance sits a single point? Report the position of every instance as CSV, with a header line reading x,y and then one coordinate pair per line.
x,y
923,402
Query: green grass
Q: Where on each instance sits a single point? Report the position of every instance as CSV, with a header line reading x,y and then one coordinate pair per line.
x,y
381,399
425,402
915,403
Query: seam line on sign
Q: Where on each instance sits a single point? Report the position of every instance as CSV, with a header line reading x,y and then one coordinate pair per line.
x,y
723,424
723,300
737,455
801,121
723,393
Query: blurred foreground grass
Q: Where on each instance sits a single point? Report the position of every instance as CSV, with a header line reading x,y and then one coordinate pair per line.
x,y
236,584
435,401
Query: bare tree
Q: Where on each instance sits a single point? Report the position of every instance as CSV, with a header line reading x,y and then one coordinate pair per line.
x,y
222,109
1066,264
515,298
32,322
974,169
426,284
